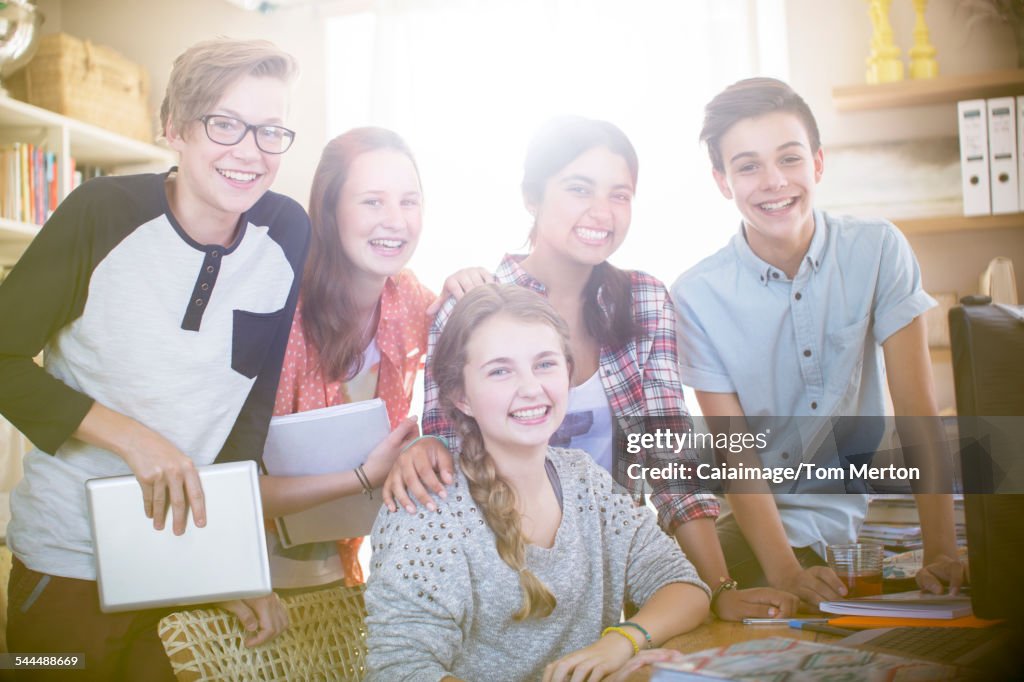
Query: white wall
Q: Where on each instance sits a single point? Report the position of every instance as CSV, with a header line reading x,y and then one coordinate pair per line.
x,y
153,33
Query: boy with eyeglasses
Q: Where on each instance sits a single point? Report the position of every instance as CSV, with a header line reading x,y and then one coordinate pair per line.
x,y
806,318
164,303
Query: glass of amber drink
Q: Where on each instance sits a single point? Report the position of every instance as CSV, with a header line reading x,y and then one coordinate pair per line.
x,y
859,566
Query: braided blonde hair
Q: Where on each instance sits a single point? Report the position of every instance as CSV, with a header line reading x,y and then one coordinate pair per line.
x,y
494,496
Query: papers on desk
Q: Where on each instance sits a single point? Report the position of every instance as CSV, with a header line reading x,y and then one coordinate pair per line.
x,y
913,604
875,622
327,440
777,658
683,672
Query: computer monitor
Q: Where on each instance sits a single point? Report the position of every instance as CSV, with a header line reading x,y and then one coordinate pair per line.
x,y
988,369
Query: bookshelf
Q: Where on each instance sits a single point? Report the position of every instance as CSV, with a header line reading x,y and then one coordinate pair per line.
x,y
955,223
68,139
941,90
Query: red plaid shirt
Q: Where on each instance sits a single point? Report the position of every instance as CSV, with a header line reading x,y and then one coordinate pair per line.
x,y
641,379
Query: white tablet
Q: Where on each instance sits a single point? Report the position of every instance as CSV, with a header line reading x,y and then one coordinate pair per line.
x,y
138,567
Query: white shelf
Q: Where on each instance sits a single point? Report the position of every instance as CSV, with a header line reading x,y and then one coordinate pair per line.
x,y
89,144
13,230
69,139
915,93
937,224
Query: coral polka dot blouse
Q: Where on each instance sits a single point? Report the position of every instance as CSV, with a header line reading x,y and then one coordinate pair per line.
x,y
401,338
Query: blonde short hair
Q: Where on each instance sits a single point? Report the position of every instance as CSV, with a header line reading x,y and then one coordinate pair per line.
x,y
204,72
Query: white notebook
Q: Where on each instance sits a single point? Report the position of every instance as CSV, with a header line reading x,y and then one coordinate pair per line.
x,y
912,604
138,567
322,441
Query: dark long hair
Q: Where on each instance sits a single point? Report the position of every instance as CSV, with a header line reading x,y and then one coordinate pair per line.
x,y
493,495
552,148
327,308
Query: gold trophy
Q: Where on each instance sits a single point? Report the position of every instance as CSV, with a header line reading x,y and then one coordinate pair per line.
x,y
884,63
922,54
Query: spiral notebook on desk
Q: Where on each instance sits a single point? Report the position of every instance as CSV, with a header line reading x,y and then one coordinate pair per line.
x,y
327,440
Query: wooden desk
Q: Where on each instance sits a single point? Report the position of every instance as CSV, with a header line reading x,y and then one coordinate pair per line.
x,y
715,633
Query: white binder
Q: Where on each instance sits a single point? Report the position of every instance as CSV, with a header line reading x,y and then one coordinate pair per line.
x,y
1020,152
1002,153
973,120
326,440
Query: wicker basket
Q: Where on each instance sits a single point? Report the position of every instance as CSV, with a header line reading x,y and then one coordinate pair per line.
x,y
88,82
325,640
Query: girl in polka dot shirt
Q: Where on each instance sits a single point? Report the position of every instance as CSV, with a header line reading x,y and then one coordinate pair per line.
x,y
360,330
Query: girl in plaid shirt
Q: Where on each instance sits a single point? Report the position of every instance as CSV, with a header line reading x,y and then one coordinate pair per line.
x,y
578,185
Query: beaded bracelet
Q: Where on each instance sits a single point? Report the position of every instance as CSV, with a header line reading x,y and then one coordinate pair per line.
x,y
639,627
621,631
441,439
364,480
725,583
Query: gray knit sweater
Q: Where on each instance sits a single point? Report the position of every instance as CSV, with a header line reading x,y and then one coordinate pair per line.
x,y
440,599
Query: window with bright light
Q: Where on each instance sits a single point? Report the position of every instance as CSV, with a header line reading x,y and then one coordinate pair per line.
x,y
466,82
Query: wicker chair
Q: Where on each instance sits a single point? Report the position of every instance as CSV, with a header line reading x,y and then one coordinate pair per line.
x,y
325,640
5,573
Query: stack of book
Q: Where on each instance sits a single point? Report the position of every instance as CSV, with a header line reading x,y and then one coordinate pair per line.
x,y
895,538
893,521
30,182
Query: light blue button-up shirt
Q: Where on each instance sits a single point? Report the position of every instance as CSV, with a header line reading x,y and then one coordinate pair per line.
x,y
807,347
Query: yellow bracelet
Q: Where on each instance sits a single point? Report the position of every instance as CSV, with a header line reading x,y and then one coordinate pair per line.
x,y
624,633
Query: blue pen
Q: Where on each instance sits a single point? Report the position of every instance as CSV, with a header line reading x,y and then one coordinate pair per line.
x,y
781,621
819,627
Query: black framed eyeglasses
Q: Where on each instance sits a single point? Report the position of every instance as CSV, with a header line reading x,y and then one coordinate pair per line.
x,y
229,131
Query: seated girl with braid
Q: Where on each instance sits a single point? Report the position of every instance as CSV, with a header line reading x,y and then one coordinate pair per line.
x,y
521,572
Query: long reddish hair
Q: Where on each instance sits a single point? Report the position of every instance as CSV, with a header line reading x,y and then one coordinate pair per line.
x,y
328,310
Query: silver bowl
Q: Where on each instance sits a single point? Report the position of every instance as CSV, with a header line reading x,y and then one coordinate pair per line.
x,y
19,32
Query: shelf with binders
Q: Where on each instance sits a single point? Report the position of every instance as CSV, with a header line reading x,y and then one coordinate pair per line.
x,y
947,90
958,223
64,152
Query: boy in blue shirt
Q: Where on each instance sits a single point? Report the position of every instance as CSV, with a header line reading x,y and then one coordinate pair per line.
x,y
803,315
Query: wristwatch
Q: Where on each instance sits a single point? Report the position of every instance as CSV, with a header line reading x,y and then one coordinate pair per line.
x,y
725,583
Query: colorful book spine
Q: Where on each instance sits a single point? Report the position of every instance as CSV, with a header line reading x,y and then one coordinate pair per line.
x,y
30,183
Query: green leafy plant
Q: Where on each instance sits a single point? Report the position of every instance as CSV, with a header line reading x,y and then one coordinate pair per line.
x,y
1010,12
1007,11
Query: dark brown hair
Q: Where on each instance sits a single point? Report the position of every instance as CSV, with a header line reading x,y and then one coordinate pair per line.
x,y
751,98
494,496
327,309
553,147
